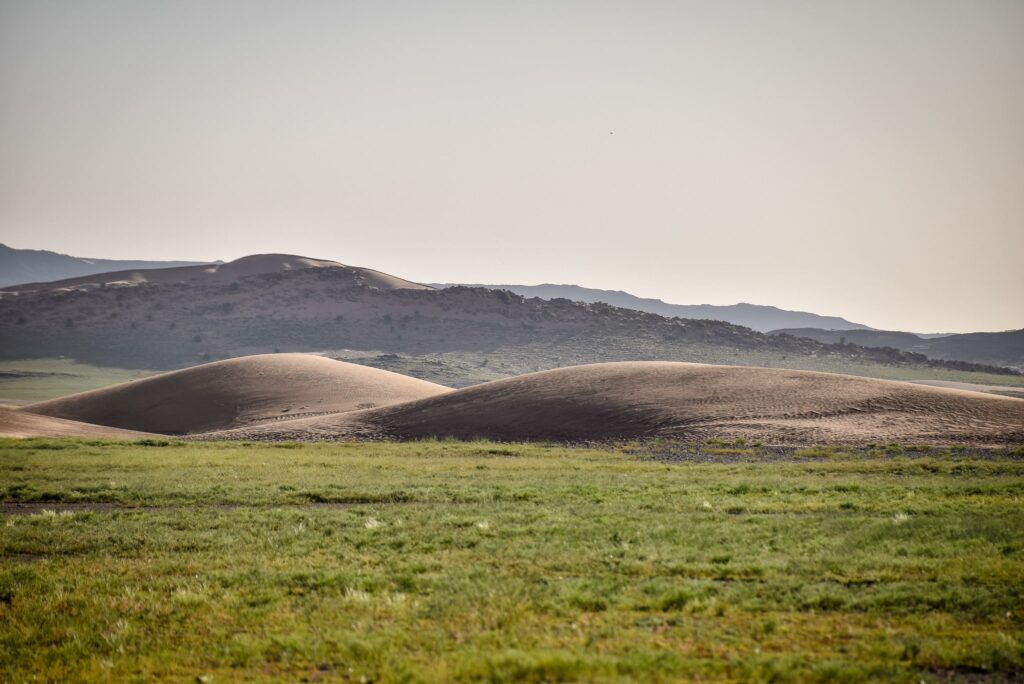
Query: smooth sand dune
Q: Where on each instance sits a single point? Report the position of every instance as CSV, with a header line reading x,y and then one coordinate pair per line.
x,y
236,392
648,399
16,423
220,274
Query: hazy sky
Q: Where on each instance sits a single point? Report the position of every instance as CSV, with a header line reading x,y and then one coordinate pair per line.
x,y
860,158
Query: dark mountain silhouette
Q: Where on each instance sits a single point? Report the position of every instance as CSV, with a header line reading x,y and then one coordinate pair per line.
x,y
214,274
169,318
37,265
756,316
1005,348
866,338
999,348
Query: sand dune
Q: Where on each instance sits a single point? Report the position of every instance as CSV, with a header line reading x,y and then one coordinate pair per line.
x,y
15,423
236,392
219,274
648,399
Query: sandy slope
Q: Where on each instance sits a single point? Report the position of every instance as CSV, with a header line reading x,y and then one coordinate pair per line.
x,y
14,423
644,399
220,274
235,392
1011,390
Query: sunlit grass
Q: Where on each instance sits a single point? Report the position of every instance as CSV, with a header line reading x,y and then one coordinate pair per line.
x,y
441,561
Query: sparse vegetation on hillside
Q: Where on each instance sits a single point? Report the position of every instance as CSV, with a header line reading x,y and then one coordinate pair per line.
x,y
464,368
171,325
999,348
447,561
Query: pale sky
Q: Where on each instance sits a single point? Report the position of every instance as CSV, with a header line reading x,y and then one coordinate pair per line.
x,y
861,158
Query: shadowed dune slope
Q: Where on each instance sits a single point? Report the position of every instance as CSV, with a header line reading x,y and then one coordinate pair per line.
x,y
235,392
647,399
15,423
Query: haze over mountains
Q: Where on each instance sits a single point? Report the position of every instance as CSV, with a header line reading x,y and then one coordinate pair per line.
x,y
995,348
22,266
169,318
39,265
999,348
759,317
215,274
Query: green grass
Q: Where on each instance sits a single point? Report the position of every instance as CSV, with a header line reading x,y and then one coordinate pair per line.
x,y
39,379
449,561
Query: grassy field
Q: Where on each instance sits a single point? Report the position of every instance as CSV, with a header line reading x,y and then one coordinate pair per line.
x,y
441,561
38,379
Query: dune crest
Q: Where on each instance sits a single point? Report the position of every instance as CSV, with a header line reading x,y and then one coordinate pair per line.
x,y
680,400
236,392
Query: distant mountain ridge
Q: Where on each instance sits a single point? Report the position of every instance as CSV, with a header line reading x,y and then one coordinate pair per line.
x,y
19,266
997,348
172,317
756,316
214,274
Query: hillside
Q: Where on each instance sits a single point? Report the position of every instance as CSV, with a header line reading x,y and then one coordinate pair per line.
x,y
1005,348
15,423
866,338
756,316
37,265
236,392
303,397
215,274
676,400
998,348
177,317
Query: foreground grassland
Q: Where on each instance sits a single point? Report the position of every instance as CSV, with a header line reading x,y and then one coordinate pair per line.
x,y
443,561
